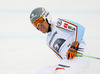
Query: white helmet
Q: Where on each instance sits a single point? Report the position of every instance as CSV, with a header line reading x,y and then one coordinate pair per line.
x,y
38,12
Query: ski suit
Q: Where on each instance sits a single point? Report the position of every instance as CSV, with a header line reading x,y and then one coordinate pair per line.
x,y
63,33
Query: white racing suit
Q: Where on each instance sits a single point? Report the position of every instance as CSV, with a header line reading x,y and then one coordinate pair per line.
x,y
63,33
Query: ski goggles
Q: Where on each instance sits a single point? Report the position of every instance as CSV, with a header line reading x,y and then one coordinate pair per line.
x,y
39,21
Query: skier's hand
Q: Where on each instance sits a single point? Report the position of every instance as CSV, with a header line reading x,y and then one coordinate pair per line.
x,y
71,53
72,50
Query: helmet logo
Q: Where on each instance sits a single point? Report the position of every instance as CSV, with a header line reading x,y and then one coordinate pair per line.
x,y
46,14
33,17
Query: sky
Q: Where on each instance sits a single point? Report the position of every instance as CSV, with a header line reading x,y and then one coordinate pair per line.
x,y
23,49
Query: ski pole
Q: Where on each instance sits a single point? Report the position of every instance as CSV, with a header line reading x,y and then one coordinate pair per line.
x,y
77,54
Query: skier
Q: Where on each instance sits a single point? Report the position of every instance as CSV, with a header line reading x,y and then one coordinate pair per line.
x,y
65,38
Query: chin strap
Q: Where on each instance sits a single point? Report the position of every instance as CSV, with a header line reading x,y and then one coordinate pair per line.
x,y
49,28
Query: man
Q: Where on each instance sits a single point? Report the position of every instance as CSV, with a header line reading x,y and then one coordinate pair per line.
x,y
65,38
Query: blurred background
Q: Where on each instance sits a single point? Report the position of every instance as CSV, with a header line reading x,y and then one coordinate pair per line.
x,y
23,49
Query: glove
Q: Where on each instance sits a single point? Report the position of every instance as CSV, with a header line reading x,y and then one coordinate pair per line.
x,y
72,50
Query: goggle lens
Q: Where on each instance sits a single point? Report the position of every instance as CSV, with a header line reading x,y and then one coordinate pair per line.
x,y
40,20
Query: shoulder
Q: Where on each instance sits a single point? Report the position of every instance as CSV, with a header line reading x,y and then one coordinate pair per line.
x,y
65,25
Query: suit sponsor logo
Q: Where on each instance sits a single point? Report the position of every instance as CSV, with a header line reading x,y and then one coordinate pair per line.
x,y
59,23
58,43
65,25
52,37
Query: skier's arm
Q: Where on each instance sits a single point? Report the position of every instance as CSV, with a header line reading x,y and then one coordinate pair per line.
x,y
78,31
73,27
72,50
78,37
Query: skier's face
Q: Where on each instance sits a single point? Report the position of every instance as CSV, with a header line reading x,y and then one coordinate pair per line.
x,y
43,27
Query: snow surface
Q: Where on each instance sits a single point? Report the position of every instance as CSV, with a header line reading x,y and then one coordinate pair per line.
x,y
23,49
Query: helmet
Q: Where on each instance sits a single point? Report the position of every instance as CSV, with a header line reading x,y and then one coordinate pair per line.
x,y
40,12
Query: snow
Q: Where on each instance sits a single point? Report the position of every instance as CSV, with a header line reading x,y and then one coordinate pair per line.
x,y
23,49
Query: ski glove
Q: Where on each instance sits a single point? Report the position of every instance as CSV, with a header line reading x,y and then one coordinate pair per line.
x,y
72,50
